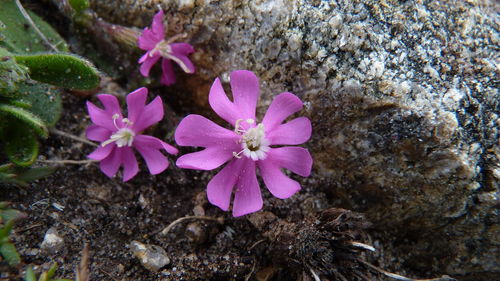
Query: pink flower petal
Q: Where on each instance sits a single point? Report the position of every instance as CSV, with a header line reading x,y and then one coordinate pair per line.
x,y
100,117
143,58
109,165
247,196
136,102
101,152
282,106
207,159
143,116
168,75
157,26
278,184
221,104
151,114
148,39
129,162
245,89
149,147
154,143
221,185
180,52
148,63
98,133
111,104
297,131
196,130
295,159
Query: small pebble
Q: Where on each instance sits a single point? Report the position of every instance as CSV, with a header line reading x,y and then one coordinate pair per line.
x,y
152,257
52,241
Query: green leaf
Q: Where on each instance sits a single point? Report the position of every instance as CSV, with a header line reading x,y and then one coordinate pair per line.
x,y
43,277
9,252
79,5
33,174
52,270
30,275
20,37
26,117
5,230
61,279
11,74
21,146
64,70
44,100
11,214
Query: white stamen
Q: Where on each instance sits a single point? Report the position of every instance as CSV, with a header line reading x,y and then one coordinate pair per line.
x,y
253,141
124,136
163,47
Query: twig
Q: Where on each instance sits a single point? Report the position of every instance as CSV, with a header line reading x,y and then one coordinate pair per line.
x,y
179,220
108,274
249,275
30,21
70,136
255,244
82,272
399,277
316,277
74,162
29,227
361,245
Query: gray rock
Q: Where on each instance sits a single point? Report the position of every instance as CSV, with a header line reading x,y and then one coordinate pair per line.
x,y
52,241
403,97
151,257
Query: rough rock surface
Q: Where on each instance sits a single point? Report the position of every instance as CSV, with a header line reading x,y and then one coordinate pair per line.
x,y
403,96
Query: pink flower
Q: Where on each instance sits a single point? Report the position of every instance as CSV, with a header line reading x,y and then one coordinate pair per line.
x,y
118,134
153,41
248,147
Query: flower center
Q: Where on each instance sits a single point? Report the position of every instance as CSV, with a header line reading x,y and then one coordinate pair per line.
x,y
124,136
253,141
165,50
163,47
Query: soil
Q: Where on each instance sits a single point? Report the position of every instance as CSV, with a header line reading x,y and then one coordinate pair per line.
x,y
86,207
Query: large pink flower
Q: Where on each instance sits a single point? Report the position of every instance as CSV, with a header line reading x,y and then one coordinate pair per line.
x,y
249,146
118,134
153,41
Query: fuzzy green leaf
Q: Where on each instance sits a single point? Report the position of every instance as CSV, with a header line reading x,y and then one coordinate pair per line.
x,y
20,37
44,100
79,5
21,145
26,117
30,275
9,252
11,214
11,74
33,174
64,70
21,176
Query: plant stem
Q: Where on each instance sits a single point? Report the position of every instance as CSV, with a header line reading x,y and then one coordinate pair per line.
x,y
179,220
70,136
74,162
